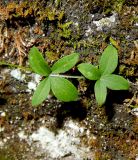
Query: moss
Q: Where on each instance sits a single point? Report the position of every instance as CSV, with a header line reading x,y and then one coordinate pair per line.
x,y
30,9
128,71
52,56
3,156
46,20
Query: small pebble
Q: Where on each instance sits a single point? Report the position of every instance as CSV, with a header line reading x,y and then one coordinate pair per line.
x,y
2,114
134,112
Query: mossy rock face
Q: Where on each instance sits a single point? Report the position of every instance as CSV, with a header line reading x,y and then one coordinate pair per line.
x,y
58,28
64,27
28,23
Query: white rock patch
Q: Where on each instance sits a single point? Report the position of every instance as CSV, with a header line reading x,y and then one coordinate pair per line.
x,y
31,86
37,78
16,73
58,146
65,143
108,21
22,135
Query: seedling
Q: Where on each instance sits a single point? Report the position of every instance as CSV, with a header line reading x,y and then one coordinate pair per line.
x,y
103,74
62,88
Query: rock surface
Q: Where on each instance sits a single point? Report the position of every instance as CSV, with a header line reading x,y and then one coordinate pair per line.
x,y
76,130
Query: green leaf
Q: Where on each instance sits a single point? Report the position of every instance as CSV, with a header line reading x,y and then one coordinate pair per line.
x,y
109,60
100,92
37,62
115,82
41,92
66,63
63,89
89,71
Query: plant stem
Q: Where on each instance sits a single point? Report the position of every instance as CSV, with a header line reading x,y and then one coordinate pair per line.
x,y
15,66
29,69
66,76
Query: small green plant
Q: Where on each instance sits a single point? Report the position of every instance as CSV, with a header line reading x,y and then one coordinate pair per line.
x,y
62,88
103,74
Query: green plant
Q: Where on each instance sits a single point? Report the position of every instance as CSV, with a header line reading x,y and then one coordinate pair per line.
x,y
103,74
62,88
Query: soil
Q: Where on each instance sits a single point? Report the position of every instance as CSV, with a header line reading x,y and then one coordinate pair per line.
x,y
75,130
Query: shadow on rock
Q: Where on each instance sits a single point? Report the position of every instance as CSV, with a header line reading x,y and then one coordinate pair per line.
x,y
75,110
3,101
115,97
